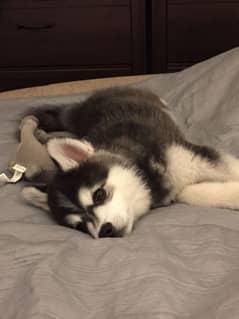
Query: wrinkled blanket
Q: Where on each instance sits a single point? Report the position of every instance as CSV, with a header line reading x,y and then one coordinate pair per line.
x,y
180,261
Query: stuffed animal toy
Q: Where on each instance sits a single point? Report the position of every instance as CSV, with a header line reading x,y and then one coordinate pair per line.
x,y
32,159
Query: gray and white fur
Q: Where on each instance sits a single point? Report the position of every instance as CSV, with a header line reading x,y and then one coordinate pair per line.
x,y
129,157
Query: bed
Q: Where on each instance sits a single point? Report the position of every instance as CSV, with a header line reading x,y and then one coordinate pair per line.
x,y
180,261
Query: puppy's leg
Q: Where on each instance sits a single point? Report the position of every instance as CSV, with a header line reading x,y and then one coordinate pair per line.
x,y
230,165
211,194
35,197
197,164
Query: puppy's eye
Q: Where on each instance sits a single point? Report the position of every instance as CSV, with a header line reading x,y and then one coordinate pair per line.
x,y
99,196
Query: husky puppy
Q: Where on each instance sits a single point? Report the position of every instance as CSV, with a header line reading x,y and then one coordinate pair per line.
x,y
129,157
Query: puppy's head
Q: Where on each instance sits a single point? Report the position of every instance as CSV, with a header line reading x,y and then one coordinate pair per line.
x,y
95,191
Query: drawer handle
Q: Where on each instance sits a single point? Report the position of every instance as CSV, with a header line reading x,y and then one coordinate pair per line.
x,y
35,27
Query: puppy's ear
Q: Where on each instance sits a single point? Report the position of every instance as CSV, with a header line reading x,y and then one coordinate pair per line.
x,y
69,152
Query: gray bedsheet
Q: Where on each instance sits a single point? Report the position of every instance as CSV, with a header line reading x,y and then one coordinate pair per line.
x,y
180,262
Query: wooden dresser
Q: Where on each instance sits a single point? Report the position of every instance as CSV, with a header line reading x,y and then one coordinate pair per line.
x,y
46,41
185,32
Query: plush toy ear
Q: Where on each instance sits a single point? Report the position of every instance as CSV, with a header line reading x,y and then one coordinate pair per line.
x,y
69,152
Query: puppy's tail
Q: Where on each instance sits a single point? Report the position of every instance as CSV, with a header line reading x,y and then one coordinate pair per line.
x,y
49,117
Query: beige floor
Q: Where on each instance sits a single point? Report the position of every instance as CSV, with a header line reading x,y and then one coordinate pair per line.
x,y
72,87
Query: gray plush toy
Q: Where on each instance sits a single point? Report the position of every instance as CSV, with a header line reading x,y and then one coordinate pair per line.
x,y
31,159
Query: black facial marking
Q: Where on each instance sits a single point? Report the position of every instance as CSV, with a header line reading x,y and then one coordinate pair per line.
x,y
68,184
90,173
82,227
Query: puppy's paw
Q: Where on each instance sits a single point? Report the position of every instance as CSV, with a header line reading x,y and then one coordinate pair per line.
x,y
35,197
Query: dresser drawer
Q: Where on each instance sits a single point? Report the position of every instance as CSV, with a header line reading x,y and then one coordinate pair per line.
x,y
200,30
185,32
67,36
18,78
60,3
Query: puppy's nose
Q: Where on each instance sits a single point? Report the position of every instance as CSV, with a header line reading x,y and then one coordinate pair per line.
x,y
107,230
